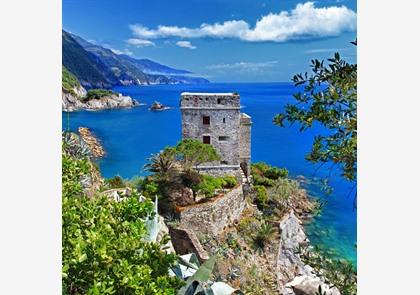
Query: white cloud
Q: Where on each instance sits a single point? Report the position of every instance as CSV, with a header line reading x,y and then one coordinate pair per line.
x,y
185,44
124,51
140,42
303,22
244,66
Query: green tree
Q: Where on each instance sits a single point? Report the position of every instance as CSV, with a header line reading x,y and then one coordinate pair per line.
x,y
329,97
193,152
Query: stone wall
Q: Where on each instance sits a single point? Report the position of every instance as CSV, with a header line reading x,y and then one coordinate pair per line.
x,y
245,142
185,241
221,170
215,215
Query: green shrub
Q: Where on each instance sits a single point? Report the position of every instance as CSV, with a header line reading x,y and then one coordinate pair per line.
x,y
263,235
230,181
115,182
69,81
261,180
259,168
208,185
276,173
261,197
73,171
98,93
103,251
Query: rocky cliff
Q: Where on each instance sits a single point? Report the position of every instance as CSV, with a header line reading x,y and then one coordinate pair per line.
x,y
294,276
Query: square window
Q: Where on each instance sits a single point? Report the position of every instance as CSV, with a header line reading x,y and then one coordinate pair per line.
x,y
206,139
206,120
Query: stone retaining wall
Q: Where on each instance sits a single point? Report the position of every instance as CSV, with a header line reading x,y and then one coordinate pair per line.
x,y
215,215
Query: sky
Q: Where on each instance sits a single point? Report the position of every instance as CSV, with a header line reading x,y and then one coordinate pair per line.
x,y
222,40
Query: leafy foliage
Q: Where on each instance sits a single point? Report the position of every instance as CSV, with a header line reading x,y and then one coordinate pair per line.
x,y
193,152
163,163
104,242
103,250
68,80
98,94
329,97
341,273
264,174
115,182
261,197
263,235
209,184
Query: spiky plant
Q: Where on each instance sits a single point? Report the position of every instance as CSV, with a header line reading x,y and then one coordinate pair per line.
x,y
263,235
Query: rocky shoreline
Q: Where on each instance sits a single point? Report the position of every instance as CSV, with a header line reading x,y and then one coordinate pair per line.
x,y
92,142
75,101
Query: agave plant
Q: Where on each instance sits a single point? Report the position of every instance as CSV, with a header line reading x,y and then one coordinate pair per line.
x,y
200,284
74,146
152,225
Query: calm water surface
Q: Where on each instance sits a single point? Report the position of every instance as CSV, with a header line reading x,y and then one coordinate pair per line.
x,y
130,136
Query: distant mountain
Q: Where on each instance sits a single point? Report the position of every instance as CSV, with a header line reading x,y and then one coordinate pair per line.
x,y
150,67
125,70
87,67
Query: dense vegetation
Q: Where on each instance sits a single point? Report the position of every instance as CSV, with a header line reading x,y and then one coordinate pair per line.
x,y
329,97
173,169
68,80
104,247
98,93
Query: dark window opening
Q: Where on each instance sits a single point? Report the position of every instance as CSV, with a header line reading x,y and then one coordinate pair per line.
x,y
224,120
224,162
223,138
219,100
206,139
206,120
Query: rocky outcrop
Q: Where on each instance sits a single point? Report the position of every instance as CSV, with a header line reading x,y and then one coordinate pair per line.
x,y
157,106
309,285
93,143
73,102
294,276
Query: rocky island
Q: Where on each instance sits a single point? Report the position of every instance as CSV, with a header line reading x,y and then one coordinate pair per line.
x,y
157,106
75,97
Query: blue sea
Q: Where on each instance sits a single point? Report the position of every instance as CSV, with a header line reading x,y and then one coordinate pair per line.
x,y
131,136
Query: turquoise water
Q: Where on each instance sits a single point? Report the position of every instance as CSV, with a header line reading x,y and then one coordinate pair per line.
x,y
130,136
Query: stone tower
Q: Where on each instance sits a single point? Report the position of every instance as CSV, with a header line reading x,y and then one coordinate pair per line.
x,y
216,119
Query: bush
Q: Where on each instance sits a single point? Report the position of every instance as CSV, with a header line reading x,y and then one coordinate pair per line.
x,y
265,174
115,182
103,242
103,251
208,185
276,173
98,94
229,181
261,197
263,235
261,180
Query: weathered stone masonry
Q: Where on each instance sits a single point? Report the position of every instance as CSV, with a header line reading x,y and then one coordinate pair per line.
x,y
215,215
215,118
